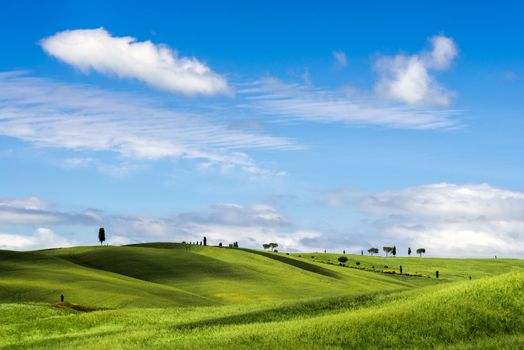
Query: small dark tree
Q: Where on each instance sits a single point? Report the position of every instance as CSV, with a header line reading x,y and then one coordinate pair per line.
x,y
205,241
394,251
373,251
362,252
101,235
409,251
344,252
387,250
61,298
436,273
266,246
273,246
342,259
220,244
421,251
401,269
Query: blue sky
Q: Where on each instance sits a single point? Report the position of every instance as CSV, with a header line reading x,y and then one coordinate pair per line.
x,y
320,125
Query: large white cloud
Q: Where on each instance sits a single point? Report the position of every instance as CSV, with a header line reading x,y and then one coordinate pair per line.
x,y
156,65
42,238
407,78
449,219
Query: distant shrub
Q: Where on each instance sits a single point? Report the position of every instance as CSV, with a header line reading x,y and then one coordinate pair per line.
x,y
275,250
312,257
421,251
300,256
287,253
358,263
220,244
342,259
386,266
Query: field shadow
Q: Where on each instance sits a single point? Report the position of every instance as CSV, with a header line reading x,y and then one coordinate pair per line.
x,y
297,263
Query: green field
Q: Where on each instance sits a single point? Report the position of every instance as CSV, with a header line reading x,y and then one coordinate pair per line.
x,y
164,295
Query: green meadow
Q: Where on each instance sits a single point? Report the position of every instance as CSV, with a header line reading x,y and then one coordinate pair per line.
x,y
166,295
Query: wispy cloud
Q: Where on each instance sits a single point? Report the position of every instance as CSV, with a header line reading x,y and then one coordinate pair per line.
x,y
340,58
47,113
274,98
35,211
125,57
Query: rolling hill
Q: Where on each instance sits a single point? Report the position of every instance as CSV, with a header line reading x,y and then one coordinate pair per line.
x,y
163,295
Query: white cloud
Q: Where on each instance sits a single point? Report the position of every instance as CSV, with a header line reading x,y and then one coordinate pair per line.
x,y
46,113
42,238
340,58
451,220
118,240
443,53
294,102
408,79
36,211
250,225
125,57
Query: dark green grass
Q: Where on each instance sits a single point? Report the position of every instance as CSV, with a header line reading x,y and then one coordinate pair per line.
x,y
170,275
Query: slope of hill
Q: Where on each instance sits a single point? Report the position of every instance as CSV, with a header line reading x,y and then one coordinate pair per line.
x,y
485,313
163,295
170,275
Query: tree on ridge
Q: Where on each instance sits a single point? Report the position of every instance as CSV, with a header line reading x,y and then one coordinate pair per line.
x,y
373,251
101,235
387,250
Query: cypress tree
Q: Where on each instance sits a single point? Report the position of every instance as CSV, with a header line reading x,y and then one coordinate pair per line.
x,y
101,235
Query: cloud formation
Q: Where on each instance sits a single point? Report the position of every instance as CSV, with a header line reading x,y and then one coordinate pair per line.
x,y
42,238
449,219
43,112
407,78
446,219
35,211
251,225
125,57
294,102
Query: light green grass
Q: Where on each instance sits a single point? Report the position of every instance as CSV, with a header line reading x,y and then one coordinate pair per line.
x,y
461,315
169,296
450,269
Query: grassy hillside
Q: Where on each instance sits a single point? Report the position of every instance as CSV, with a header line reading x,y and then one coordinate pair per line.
x,y
171,275
486,313
165,295
450,269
